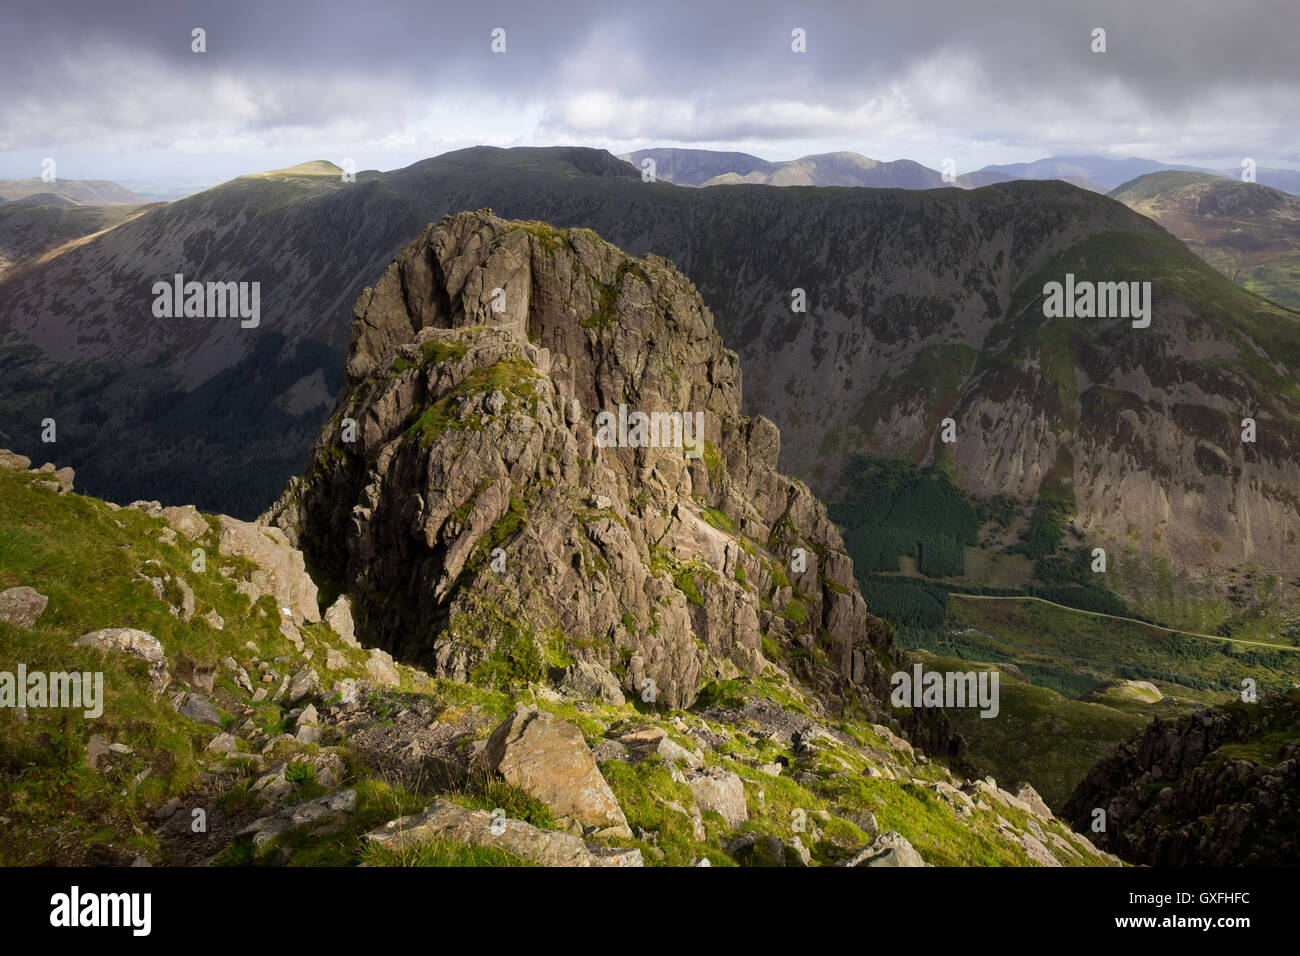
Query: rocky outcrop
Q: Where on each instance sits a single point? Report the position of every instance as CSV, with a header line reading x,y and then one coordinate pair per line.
x,y
592,681
1220,787
280,571
319,814
185,520
461,495
56,479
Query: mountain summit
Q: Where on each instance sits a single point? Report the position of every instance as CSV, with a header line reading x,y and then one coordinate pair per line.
x,y
486,522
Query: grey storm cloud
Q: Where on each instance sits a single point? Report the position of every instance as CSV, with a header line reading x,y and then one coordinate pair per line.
x,y
1177,74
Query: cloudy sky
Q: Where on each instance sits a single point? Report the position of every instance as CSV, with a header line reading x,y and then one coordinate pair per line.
x,y
114,90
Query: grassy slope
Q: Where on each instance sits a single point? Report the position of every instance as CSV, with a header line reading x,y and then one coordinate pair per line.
x,y
1255,248
85,557
1041,736
1051,739
1034,633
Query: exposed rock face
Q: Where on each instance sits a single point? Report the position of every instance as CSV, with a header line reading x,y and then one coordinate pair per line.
x,y
478,365
1184,793
584,679
280,570
339,618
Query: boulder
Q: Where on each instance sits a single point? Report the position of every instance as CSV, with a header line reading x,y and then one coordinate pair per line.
x,y
307,729
304,684
591,682
890,848
549,759
222,744
450,821
197,707
128,640
641,744
22,606
721,791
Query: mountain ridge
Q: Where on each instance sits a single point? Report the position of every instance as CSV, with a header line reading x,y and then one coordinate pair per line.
x,y
919,292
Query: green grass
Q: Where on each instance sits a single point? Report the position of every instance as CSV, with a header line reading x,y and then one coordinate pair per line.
x,y
513,377
440,853
1033,633
1041,736
435,352
87,559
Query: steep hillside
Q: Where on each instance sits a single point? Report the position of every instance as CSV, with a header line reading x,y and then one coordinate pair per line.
x,y
44,224
1249,232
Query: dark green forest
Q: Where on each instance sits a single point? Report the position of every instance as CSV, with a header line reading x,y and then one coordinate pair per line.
x,y
897,509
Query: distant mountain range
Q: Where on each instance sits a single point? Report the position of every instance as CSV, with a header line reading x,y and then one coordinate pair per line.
x,y
91,192
702,167
1250,233
37,217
